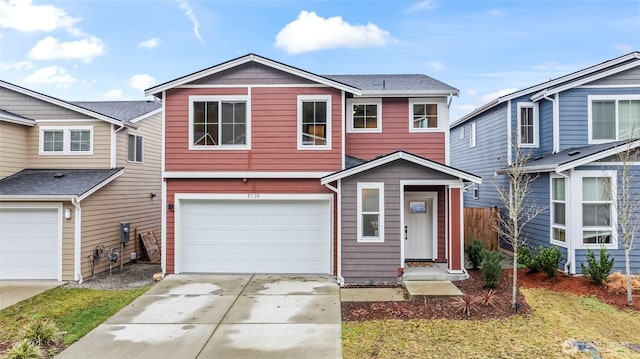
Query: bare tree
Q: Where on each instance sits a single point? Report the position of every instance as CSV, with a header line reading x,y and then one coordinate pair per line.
x,y
627,208
518,211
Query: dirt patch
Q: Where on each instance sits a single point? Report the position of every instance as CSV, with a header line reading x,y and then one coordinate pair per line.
x,y
445,308
132,275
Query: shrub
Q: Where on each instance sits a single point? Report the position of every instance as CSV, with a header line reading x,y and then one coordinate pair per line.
x,y
491,267
41,332
597,271
528,257
24,349
474,253
466,304
549,259
488,298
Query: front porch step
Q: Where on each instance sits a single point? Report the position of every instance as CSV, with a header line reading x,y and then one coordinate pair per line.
x,y
436,272
419,289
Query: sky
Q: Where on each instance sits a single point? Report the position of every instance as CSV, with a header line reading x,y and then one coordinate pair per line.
x,y
97,50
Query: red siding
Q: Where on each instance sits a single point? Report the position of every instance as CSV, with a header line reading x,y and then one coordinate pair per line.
x,y
396,136
262,186
273,133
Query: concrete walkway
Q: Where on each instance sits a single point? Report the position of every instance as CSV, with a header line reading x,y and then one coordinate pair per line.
x,y
12,292
223,316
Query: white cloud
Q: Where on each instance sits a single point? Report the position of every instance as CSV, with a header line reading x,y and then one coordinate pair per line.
x,y
309,32
423,5
435,65
50,48
21,65
114,94
624,48
184,5
56,75
23,15
494,95
495,12
472,92
141,81
150,43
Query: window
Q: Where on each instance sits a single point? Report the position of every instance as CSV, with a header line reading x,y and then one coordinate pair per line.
x,y
528,124
558,211
472,135
461,132
134,148
370,212
364,115
597,210
75,140
423,115
314,122
614,118
219,122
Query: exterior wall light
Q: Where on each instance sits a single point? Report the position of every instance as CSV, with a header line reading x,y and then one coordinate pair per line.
x,y
67,213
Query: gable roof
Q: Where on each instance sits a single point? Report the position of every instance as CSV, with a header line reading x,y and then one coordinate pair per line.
x,y
158,89
56,183
562,83
401,155
61,103
574,157
125,111
14,118
396,84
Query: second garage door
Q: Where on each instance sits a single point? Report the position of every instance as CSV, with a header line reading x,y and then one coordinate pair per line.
x,y
253,236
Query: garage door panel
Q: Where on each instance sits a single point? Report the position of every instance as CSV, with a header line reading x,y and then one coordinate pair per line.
x,y
266,236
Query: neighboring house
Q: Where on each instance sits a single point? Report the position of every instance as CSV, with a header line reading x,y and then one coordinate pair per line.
x,y
70,173
272,169
573,127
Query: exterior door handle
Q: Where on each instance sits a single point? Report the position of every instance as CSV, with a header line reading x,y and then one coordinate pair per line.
x,y
406,231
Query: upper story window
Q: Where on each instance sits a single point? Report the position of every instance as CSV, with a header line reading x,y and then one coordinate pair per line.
x,y
528,124
370,212
558,211
423,115
134,148
472,135
364,115
71,140
219,122
613,118
314,122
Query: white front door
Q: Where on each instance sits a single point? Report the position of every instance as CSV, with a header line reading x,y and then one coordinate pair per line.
x,y
419,225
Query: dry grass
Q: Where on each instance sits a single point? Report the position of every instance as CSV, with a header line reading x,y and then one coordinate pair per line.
x,y
557,317
618,282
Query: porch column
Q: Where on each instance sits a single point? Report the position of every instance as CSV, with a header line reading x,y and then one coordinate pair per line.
x,y
456,232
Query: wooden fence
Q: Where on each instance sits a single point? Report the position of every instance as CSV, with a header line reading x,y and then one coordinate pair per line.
x,y
479,224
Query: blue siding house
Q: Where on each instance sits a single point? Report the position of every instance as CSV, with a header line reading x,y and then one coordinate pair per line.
x,y
573,129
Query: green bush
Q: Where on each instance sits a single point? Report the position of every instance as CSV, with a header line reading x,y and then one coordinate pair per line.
x,y
528,257
599,270
24,349
549,259
474,253
491,267
41,332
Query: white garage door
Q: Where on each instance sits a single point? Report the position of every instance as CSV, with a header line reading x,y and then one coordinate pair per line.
x,y
29,239
258,236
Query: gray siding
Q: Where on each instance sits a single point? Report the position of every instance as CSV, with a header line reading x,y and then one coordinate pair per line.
x,y
628,77
377,262
545,120
252,73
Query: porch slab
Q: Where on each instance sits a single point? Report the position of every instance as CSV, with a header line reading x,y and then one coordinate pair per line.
x,y
372,294
436,272
421,289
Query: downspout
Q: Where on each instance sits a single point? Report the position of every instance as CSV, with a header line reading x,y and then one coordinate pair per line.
x,y
114,140
556,122
570,253
337,190
77,238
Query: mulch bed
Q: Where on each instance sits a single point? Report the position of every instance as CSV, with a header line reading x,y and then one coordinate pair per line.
x,y
445,308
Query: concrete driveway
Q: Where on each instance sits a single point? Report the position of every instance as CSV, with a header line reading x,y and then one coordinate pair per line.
x,y
12,292
223,316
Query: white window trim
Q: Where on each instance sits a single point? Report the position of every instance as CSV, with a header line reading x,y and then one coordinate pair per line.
x,y
577,205
536,124
552,225
233,98
360,237
443,119
66,138
614,98
364,101
472,135
135,135
317,98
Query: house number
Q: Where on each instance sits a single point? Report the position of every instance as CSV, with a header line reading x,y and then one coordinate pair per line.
x,y
253,195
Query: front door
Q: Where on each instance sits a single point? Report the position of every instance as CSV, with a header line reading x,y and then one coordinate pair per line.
x,y
419,225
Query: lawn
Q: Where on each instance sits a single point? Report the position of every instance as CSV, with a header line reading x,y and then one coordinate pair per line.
x,y
556,318
75,311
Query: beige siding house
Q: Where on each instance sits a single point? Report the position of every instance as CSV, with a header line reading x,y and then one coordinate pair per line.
x,y
70,174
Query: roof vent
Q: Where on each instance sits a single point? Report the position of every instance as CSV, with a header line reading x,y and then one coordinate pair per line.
x,y
58,175
573,153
